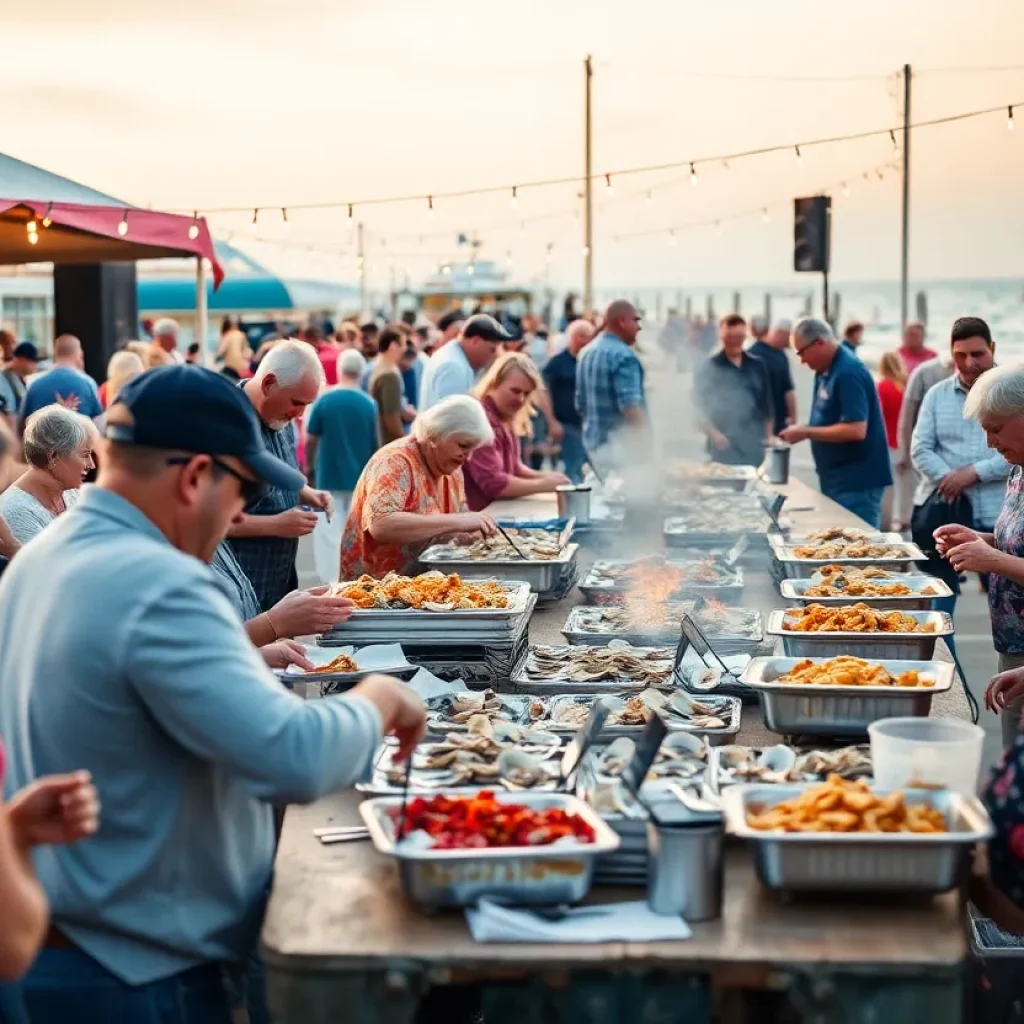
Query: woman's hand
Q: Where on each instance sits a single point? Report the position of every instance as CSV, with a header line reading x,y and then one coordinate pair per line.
x,y
55,809
401,710
308,611
558,480
1004,689
949,536
477,522
974,556
283,653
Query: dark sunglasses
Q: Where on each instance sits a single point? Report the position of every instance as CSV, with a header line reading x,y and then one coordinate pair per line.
x,y
251,490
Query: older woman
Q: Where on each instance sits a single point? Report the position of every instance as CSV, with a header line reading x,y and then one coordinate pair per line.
x,y
411,492
57,446
8,543
496,470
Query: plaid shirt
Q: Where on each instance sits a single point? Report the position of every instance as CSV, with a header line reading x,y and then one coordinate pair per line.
x,y
269,562
234,582
609,378
943,441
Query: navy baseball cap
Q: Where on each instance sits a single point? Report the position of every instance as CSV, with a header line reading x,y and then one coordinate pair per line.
x,y
187,408
26,350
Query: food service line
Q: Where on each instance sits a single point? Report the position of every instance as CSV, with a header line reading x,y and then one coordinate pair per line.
x,y
340,941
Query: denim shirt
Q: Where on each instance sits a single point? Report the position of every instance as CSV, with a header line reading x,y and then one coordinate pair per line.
x,y
121,655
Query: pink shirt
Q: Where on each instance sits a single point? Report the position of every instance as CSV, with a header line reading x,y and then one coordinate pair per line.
x,y
912,360
490,467
328,354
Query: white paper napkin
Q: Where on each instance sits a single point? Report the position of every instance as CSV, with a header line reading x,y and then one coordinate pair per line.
x,y
613,922
736,663
376,658
427,685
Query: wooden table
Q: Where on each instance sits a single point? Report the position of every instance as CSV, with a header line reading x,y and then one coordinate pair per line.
x,y
342,944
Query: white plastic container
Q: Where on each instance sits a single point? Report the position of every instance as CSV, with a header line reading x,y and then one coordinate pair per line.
x,y
926,752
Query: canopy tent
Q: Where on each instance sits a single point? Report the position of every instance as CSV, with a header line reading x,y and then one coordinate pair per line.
x,y
77,224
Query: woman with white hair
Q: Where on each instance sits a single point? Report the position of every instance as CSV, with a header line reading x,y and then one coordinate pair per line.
x,y
996,401
58,446
412,494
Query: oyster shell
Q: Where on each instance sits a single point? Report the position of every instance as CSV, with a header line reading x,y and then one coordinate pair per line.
x,y
521,770
614,758
480,725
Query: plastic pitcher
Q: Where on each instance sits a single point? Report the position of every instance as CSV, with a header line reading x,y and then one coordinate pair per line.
x,y
934,752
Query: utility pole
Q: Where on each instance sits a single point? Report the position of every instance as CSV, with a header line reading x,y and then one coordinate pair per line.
x,y
905,248
361,262
588,192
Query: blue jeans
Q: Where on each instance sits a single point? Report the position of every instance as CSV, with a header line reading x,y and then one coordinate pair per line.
x,y
67,985
573,454
866,504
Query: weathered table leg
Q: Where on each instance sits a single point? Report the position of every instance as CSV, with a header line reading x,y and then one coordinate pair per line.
x,y
330,997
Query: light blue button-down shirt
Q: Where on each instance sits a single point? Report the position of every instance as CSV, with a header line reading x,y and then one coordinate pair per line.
x,y
121,655
943,441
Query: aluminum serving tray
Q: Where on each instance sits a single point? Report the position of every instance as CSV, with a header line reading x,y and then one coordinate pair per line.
x,y
518,876
795,590
575,633
522,682
595,591
738,478
807,709
801,568
542,574
896,862
713,737
677,535
880,646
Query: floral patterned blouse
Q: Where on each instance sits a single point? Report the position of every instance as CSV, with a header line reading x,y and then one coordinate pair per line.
x,y
396,479
1003,798
1006,598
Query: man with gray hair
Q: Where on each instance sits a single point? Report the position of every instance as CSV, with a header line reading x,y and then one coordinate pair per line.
x,y
165,335
770,346
266,541
846,429
65,384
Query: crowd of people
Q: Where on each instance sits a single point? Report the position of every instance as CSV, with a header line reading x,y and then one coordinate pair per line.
x,y
141,618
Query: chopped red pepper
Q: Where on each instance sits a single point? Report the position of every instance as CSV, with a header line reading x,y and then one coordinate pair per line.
x,y
480,821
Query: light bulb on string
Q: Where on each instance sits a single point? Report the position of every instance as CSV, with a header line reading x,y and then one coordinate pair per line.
x,y
609,192
550,249
284,218
31,227
33,238
508,260
693,174
430,207
255,221
718,227
650,199
671,237
193,228
892,138
1009,119
846,191
764,215
48,220
350,218
514,200
799,158
122,228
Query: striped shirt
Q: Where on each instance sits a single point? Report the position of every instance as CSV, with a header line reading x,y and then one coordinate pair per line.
x,y
609,379
943,441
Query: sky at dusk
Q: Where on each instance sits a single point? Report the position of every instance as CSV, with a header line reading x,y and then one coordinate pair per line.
x,y
198,104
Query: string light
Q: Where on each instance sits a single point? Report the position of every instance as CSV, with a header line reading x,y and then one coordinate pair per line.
x,y
255,219
608,190
650,199
846,190
764,215
551,247
718,227
470,269
799,158
514,200
693,174
430,207
48,220
193,228
671,237
122,228
895,144
350,219
1009,119
284,218
33,238
508,259
586,252
31,227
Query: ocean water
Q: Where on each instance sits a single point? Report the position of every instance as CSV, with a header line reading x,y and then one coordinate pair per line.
x,y
875,304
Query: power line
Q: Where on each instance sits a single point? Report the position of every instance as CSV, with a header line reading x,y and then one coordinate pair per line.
x,y
969,71
432,197
738,76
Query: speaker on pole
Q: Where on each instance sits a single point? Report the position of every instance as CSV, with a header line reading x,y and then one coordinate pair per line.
x,y
812,234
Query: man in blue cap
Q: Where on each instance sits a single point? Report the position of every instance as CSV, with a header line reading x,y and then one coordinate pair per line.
x,y
122,656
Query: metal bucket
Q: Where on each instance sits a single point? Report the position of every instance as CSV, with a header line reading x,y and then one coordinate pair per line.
x,y
776,464
574,502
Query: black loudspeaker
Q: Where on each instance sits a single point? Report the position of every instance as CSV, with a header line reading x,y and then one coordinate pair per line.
x,y
811,234
98,303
